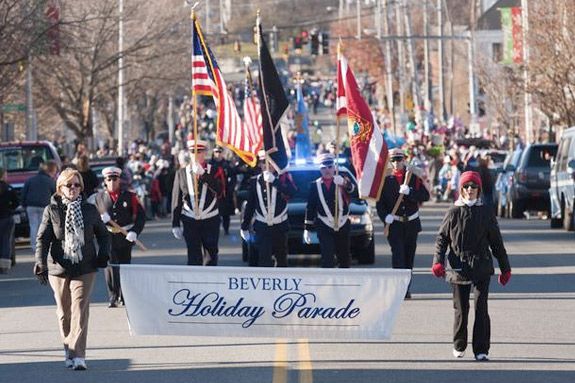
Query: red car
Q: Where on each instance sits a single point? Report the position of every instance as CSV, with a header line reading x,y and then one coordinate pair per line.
x,y
21,160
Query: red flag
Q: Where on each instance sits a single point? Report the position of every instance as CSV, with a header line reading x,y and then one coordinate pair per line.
x,y
368,148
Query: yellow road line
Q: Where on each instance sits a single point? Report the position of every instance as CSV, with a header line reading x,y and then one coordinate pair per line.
x,y
280,362
305,367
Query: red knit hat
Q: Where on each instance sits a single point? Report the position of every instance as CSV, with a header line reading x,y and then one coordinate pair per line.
x,y
470,176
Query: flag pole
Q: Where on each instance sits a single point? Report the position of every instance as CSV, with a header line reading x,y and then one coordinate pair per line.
x,y
262,89
336,207
194,111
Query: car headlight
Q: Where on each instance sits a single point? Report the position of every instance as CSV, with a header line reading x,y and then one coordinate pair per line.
x,y
363,219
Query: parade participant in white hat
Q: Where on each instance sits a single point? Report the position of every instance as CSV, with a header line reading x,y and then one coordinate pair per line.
x,y
404,223
321,215
270,211
124,208
195,206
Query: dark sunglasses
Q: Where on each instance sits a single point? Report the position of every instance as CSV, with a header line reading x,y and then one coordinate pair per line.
x,y
70,186
396,159
470,186
112,178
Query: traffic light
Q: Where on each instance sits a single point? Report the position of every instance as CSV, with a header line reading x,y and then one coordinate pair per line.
x,y
314,44
324,43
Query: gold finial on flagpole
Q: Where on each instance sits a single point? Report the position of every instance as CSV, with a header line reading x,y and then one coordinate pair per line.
x,y
193,8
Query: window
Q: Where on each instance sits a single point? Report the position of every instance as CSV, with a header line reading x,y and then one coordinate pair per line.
x,y
497,50
24,158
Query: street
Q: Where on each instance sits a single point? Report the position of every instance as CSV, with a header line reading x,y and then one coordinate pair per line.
x,y
533,334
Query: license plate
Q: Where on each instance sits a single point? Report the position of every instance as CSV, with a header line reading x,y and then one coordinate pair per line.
x,y
17,219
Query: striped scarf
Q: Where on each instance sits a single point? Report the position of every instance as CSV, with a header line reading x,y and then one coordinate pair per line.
x,y
74,230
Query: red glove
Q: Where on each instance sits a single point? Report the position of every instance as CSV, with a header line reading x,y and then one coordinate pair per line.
x,y
438,270
504,278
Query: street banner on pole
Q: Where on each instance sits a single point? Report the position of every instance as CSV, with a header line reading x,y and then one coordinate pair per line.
x,y
263,302
512,28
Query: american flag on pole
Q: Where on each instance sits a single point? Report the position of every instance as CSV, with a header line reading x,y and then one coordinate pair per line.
x,y
368,148
232,132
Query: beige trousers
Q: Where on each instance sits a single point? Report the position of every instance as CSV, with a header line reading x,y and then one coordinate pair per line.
x,y
72,297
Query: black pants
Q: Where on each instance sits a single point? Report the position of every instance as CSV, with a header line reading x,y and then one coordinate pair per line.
x,y
199,235
334,244
226,223
402,239
121,254
270,240
482,325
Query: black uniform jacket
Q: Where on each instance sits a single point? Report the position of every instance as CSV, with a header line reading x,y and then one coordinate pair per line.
x,y
285,190
468,229
410,203
180,192
49,245
126,211
315,207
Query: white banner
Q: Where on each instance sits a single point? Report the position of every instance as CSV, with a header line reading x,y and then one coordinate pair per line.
x,y
263,302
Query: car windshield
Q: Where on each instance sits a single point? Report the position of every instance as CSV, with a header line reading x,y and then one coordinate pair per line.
x,y
24,158
540,157
304,178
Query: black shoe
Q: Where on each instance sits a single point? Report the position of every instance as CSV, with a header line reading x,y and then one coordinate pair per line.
x,y
408,295
112,304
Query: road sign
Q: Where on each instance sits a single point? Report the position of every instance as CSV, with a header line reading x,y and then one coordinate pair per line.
x,y
7,108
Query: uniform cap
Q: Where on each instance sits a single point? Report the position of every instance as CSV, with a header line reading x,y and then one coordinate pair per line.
x,y
111,171
396,152
202,145
326,160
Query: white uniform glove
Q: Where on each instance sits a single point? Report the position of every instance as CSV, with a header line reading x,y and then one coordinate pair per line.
x,y
404,189
269,177
105,217
245,234
131,236
198,169
338,180
178,232
307,237
389,219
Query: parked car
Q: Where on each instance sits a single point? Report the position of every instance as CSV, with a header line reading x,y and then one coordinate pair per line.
x,y
562,183
361,234
21,159
530,187
504,181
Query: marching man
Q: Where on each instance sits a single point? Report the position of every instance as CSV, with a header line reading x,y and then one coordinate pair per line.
x,y
404,224
195,206
123,208
320,213
270,226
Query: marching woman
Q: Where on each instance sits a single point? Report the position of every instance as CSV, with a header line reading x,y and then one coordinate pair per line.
x,y
468,239
66,258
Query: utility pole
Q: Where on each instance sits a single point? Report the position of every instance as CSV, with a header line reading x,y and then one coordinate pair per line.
x,y
527,97
414,74
340,9
427,86
222,26
358,16
121,79
171,119
388,69
400,59
440,60
471,59
377,18
31,129
208,17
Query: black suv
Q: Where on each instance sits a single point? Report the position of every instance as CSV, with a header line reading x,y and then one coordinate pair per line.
x,y
530,187
360,215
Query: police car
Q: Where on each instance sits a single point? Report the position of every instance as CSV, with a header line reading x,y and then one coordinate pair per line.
x,y
360,214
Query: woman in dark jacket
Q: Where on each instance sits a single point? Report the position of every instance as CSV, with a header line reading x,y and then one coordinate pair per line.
x,y
468,239
66,257
8,204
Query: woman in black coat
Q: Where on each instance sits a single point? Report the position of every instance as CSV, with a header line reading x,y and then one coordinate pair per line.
x,y
468,239
66,257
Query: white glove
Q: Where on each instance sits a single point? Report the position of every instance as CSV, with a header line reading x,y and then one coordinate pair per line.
x,y
105,217
307,237
198,169
178,232
245,234
237,211
269,177
404,189
338,180
389,219
131,236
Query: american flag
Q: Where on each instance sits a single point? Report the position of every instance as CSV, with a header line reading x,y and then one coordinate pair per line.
x,y
243,138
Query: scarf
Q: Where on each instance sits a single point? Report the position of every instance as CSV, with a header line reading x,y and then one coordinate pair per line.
x,y
398,174
74,230
468,202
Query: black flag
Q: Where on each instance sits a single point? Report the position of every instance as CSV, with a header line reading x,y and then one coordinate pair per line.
x,y
274,104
